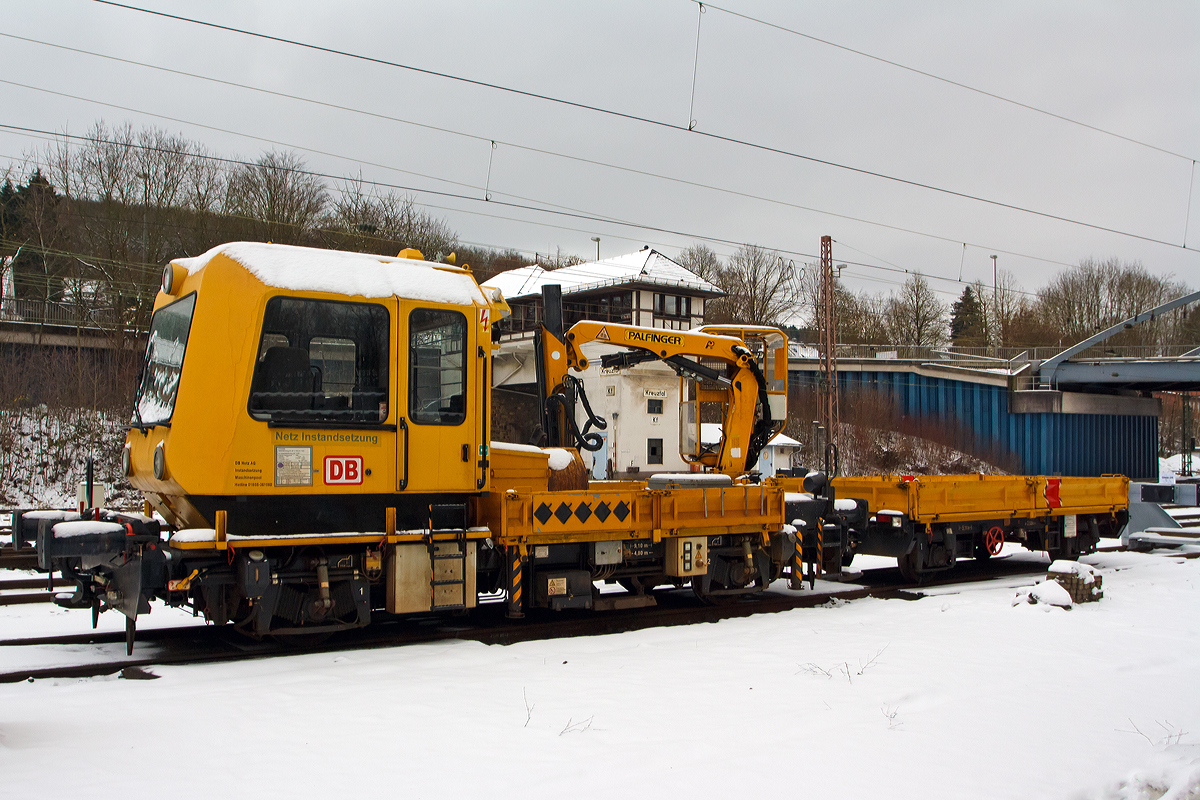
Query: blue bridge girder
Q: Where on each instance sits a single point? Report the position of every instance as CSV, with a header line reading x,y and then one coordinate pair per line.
x,y
980,412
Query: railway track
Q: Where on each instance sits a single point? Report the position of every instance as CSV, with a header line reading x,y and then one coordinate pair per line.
x,y
19,591
23,559
206,645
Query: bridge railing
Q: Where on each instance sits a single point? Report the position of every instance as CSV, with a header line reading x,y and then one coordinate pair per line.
x,y
988,356
26,311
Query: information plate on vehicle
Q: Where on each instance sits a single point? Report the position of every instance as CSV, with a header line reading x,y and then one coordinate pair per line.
x,y
293,466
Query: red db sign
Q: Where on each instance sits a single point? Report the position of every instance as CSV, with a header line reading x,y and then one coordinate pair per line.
x,y
343,469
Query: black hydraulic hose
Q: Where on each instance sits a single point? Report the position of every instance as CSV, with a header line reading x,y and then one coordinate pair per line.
x,y
599,422
763,427
584,441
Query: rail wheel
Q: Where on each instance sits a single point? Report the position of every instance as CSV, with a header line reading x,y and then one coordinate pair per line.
x,y
993,543
712,599
909,567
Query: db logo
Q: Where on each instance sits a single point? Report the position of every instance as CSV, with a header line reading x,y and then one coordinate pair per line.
x,y
343,469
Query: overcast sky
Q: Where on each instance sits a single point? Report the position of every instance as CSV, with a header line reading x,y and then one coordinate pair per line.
x,y
1129,68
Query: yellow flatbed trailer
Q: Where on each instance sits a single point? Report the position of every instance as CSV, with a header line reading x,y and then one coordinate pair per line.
x,y
927,522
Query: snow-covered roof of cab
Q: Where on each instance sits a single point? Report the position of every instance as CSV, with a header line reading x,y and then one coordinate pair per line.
x,y
307,269
646,266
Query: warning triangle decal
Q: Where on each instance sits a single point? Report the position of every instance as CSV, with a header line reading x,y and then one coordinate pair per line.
x,y
603,334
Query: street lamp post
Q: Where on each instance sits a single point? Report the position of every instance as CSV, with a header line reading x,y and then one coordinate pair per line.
x,y
596,239
995,307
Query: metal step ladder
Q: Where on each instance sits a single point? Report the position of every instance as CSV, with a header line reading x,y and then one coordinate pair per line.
x,y
448,557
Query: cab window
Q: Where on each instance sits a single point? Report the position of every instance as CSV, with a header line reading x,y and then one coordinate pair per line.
x,y
321,361
164,362
437,367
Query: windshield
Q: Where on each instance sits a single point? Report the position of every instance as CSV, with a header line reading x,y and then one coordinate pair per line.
x,y
164,362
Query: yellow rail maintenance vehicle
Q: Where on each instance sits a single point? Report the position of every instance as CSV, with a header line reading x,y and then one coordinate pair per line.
x,y
314,428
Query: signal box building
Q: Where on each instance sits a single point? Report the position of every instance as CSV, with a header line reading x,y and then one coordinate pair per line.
x,y
639,403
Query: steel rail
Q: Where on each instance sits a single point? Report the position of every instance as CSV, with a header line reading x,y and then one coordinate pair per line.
x,y
190,645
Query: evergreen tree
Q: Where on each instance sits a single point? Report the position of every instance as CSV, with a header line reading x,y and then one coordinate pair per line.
x,y
10,220
966,321
35,210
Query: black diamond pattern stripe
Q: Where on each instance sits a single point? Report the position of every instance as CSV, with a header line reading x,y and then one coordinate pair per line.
x,y
582,512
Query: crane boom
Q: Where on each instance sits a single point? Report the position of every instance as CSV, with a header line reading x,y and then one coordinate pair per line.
x,y
718,365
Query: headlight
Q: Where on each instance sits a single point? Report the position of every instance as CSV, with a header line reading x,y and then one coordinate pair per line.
x,y
160,462
126,461
172,277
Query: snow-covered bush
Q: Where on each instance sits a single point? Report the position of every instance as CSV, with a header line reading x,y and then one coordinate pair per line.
x,y
44,451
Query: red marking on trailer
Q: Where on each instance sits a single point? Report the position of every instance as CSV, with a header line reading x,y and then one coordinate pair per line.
x,y
343,470
1052,498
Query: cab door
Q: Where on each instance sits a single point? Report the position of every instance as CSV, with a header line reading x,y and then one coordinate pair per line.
x,y
440,389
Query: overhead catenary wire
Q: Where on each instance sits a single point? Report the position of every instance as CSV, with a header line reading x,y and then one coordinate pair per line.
x,y
637,118
227,164
640,226
297,147
932,276
943,79
696,236
514,145
538,150
419,190
592,217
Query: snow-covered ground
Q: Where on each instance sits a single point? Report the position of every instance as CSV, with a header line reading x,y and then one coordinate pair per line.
x,y
961,694
1173,465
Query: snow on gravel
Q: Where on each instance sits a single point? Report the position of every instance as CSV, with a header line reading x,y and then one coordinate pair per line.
x,y
958,695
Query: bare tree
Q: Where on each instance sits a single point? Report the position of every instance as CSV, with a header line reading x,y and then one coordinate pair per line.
x,y
863,320
701,260
760,288
916,316
558,259
204,193
1099,294
278,199
132,197
999,307
860,317
707,265
366,220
